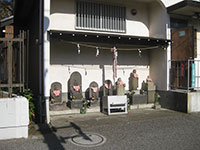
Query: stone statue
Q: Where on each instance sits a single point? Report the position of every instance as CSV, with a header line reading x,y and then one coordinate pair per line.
x,y
120,85
56,92
93,91
107,88
133,81
75,86
144,86
148,79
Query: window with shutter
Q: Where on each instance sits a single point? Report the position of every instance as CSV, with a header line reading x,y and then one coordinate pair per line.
x,y
98,16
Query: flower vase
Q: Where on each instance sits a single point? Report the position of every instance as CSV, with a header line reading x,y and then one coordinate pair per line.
x,y
83,110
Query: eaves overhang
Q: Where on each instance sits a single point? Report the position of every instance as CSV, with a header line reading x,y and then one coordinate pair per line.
x,y
6,21
188,8
105,38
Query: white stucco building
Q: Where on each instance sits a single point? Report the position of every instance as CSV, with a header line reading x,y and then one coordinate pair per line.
x,y
73,30
61,57
150,24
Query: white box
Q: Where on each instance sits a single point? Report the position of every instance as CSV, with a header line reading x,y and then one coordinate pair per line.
x,y
118,104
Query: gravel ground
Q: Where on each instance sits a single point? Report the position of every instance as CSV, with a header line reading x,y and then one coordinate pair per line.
x,y
139,130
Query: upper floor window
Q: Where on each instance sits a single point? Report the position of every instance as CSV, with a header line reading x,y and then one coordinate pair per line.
x,y
98,16
178,23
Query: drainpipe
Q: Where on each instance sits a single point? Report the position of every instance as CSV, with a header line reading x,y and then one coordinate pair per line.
x,y
46,57
40,58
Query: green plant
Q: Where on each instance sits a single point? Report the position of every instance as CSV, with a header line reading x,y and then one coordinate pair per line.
x,y
29,95
157,97
83,109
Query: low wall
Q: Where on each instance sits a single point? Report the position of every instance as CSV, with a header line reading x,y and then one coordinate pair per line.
x,y
14,118
174,100
179,100
193,102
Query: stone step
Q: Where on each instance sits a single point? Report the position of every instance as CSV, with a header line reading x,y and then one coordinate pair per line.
x,y
95,109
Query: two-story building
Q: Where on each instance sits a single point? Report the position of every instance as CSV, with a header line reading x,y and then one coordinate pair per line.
x,y
77,35
76,30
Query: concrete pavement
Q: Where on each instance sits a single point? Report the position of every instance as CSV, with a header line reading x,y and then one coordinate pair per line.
x,y
140,129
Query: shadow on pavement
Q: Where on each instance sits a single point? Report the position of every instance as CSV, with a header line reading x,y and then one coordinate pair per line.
x,y
50,138
53,141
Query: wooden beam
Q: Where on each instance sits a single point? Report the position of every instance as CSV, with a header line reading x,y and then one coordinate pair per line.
x,y
13,85
10,39
9,67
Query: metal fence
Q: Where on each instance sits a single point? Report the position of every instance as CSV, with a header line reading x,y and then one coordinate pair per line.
x,y
185,74
14,62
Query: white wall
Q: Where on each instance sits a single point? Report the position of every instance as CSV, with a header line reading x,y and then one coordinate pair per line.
x,y
159,68
139,24
158,20
63,17
196,24
65,60
14,118
193,102
198,43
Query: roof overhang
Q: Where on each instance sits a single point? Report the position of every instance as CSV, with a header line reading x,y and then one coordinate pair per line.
x,y
6,21
108,38
188,8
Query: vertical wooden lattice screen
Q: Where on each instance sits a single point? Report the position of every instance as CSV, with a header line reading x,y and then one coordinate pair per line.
x,y
14,62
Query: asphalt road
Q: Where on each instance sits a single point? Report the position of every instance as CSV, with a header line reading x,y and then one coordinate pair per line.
x,y
144,129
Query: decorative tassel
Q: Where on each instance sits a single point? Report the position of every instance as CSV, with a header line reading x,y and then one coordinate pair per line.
x,y
79,49
140,52
97,53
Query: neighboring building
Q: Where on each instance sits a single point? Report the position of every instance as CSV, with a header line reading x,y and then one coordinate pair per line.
x,y
6,15
185,56
185,25
74,29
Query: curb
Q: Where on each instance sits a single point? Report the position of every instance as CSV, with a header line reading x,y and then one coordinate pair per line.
x,y
94,109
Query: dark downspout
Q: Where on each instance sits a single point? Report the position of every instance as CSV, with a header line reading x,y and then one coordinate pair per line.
x,y
41,16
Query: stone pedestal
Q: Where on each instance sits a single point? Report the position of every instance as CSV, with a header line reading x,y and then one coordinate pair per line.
x,y
151,88
95,103
58,106
157,106
139,99
75,104
151,97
